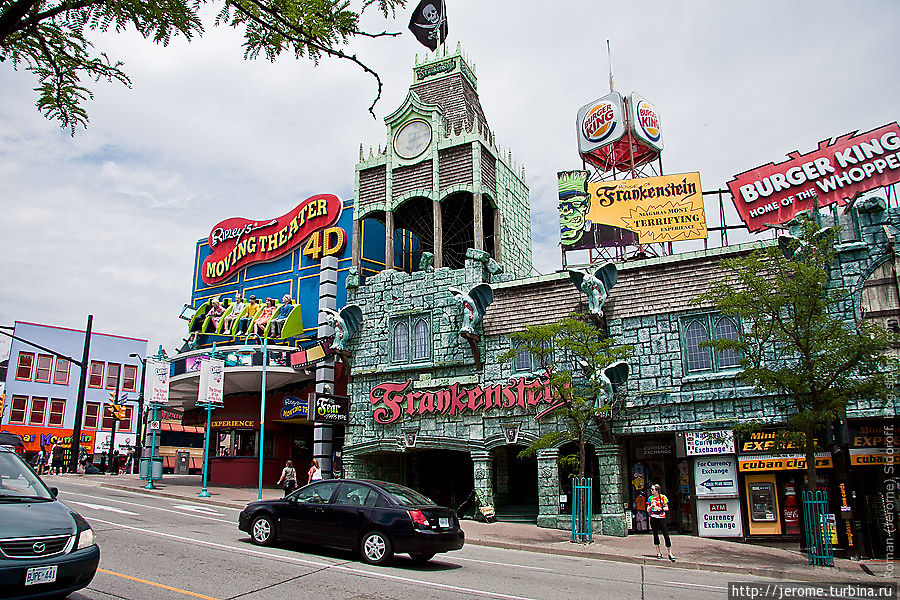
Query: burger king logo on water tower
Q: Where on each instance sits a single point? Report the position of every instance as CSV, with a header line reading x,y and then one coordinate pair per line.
x,y
601,122
645,124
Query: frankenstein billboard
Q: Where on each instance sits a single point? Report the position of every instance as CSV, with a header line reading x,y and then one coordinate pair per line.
x,y
668,208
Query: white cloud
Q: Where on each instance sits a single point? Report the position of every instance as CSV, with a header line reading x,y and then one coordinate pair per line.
x,y
106,223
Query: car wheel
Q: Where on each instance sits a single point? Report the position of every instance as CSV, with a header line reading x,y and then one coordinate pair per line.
x,y
376,548
262,531
421,557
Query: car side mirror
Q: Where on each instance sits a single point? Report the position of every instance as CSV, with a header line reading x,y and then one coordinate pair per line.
x,y
54,491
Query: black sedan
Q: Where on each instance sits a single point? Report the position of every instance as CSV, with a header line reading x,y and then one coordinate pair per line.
x,y
46,548
376,518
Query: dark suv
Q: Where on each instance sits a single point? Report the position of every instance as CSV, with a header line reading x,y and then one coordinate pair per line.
x,y
46,548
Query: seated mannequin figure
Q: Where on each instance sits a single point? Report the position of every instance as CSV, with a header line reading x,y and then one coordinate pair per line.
x,y
236,308
281,316
265,316
252,309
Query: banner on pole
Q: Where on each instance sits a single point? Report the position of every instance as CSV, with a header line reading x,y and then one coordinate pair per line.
x,y
212,381
156,381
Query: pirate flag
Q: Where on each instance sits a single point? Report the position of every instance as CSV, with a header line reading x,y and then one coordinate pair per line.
x,y
429,23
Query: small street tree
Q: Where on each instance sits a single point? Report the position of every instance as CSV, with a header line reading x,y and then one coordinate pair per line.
x,y
798,340
54,39
573,355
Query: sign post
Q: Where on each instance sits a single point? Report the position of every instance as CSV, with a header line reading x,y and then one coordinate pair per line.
x,y
212,387
156,388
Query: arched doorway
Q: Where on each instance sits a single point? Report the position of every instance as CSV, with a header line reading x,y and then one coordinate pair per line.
x,y
445,476
515,485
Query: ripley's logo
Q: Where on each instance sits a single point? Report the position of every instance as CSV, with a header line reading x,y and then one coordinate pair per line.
x,y
599,122
648,120
238,242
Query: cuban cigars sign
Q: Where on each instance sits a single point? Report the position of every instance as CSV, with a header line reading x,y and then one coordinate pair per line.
x,y
391,400
659,209
835,172
238,242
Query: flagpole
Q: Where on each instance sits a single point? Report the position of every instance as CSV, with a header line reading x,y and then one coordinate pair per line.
x,y
440,24
612,80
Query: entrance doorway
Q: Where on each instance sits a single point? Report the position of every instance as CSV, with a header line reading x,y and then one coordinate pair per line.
x,y
515,485
445,476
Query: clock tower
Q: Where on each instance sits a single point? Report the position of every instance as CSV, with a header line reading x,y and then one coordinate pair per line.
x,y
440,184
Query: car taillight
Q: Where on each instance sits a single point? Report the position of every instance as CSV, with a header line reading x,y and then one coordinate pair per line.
x,y
419,518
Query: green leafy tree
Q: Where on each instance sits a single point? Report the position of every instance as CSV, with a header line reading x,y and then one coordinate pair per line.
x,y
572,355
798,341
53,39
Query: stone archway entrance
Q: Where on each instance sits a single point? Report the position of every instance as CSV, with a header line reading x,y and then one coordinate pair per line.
x,y
515,485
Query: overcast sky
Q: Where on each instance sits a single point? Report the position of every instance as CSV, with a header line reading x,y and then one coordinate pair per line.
x,y
105,223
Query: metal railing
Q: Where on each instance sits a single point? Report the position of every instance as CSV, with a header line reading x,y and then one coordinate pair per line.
x,y
582,509
819,527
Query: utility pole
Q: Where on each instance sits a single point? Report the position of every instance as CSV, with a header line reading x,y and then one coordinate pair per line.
x,y
79,404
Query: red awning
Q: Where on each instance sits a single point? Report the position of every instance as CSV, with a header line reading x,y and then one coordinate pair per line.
x,y
167,426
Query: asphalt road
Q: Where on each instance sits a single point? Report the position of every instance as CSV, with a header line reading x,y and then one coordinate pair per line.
x,y
167,549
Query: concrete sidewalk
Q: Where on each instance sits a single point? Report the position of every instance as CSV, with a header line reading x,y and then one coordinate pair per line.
x,y
692,552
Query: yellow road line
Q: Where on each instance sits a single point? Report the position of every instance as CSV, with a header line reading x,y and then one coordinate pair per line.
x,y
159,585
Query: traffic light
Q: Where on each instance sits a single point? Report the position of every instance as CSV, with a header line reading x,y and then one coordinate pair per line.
x,y
116,411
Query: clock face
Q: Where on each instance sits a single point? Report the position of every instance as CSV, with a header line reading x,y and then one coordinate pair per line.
x,y
412,139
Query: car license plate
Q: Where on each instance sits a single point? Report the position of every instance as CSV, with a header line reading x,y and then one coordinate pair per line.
x,y
37,575
444,522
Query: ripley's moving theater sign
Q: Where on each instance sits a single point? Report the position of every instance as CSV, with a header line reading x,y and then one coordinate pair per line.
x,y
238,242
835,172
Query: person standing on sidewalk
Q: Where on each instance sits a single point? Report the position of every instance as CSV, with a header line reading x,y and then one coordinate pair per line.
x,y
315,473
658,508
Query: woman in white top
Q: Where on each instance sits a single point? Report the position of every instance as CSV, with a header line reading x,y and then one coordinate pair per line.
x,y
315,473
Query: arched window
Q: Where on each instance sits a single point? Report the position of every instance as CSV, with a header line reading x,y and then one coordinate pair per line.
x,y
401,342
522,361
727,330
421,345
698,359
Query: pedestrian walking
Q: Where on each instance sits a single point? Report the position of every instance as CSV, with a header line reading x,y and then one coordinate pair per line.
x,y
315,473
56,456
40,461
658,507
288,479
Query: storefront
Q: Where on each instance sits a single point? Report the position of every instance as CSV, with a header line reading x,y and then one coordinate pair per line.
x,y
773,473
874,462
652,460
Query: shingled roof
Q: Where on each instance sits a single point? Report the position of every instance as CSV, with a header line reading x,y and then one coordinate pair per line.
x,y
458,100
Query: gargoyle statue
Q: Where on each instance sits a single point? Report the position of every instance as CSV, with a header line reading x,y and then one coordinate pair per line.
x,y
596,285
609,377
474,304
345,324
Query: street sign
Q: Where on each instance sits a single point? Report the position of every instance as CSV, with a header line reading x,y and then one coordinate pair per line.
x,y
153,425
715,477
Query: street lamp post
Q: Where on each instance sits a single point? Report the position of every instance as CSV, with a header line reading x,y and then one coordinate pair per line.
x,y
247,349
139,443
154,406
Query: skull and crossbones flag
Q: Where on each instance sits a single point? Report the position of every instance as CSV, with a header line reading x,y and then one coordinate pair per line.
x,y
429,23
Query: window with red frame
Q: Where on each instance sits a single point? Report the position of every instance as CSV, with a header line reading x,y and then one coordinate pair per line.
x,y
129,378
112,375
96,378
91,415
26,362
61,373
44,368
57,411
38,411
122,425
17,409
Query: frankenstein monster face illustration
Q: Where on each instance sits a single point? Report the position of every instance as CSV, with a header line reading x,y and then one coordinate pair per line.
x,y
574,204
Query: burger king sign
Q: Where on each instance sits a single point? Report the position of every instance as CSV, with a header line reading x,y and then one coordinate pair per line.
x,y
645,122
600,123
